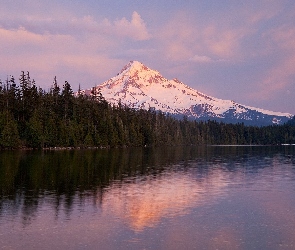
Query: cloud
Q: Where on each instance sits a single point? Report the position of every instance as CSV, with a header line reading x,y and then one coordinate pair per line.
x,y
204,59
177,38
77,49
183,38
232,34
135,29
279,77
47,55
223,42
80,26
282,73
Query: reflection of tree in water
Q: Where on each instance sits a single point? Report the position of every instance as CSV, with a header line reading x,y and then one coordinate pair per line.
x,y
67,178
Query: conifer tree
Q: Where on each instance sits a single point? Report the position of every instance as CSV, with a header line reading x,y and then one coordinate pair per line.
x,y
67,101
9,135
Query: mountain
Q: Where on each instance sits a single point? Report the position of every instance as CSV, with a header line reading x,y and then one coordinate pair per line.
x,y
138,86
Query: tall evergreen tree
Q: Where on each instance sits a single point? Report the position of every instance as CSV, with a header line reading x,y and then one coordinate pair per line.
x,y
67,101
9,135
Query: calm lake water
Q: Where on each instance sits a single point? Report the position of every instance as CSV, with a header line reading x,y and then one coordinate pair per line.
x,y
217,197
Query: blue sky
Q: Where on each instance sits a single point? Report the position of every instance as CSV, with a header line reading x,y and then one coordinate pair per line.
x,y
238,50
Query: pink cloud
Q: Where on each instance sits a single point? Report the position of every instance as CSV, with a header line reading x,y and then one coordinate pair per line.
x,y
281,75
81,27
276,79
197,58
178,38
47,55
136,28
229,35
223,42
183,39
70,47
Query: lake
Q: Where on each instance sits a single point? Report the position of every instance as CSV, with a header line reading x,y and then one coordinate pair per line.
x,y
214,197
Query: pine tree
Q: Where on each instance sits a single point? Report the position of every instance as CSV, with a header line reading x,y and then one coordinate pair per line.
x,y
35,135
9,135
67,101
13,96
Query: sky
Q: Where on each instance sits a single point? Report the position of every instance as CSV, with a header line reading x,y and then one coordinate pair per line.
x,y
230,49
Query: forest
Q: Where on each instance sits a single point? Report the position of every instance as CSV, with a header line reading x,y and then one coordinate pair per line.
x,y
31,117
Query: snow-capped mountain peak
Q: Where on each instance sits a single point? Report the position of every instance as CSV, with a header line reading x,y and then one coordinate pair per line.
x,y
134,66
138,86
136,71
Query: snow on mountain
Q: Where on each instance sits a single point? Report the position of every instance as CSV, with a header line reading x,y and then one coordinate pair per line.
x,y
138,86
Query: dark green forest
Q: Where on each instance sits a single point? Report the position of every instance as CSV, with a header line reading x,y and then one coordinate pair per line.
x,y
31,117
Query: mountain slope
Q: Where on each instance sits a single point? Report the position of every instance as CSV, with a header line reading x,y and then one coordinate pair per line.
x,y
137,86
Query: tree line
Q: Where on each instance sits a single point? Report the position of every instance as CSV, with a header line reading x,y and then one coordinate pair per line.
x,y
31,117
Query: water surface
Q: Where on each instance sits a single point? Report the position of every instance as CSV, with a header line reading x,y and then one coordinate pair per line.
x,y
152,198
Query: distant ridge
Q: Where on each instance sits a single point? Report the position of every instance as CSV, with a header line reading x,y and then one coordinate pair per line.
x,y
140,87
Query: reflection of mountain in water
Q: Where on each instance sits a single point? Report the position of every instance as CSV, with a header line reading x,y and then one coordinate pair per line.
x,y
144,201
144,184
